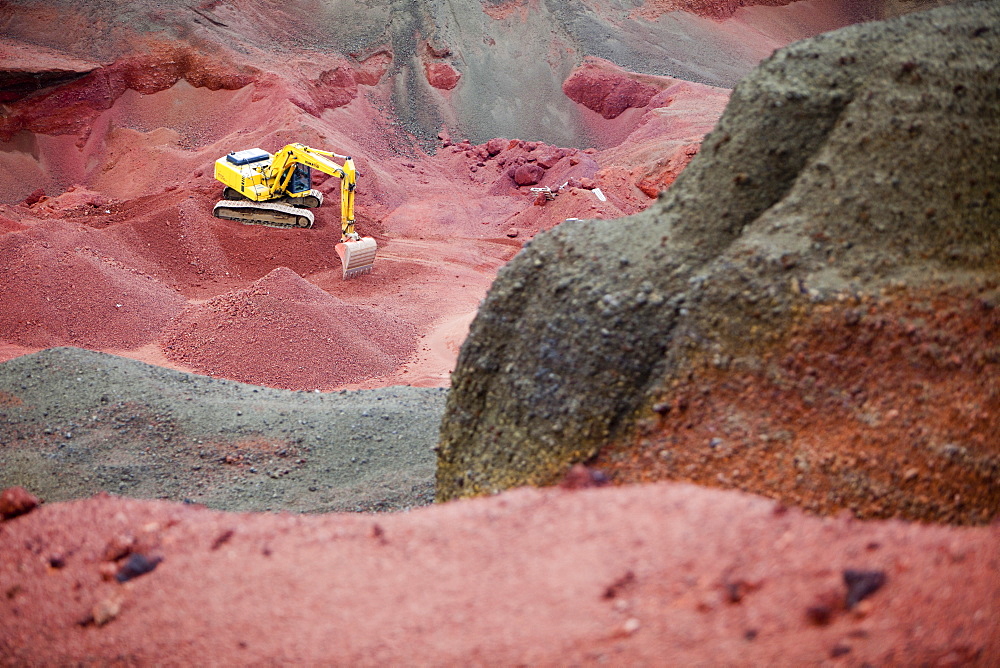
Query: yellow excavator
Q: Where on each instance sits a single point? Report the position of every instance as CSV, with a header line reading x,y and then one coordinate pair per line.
x,y
276,190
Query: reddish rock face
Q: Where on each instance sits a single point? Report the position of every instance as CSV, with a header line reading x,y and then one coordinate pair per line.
x,y
714,9
372,68
550,157
606,91
494,146
71,107
442,75
583,182
528,175
333,88
16,501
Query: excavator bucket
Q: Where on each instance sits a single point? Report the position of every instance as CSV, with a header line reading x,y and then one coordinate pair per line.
x,y
357,257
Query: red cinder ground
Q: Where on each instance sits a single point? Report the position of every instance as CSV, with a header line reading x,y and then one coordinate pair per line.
x,y
106,185
647,575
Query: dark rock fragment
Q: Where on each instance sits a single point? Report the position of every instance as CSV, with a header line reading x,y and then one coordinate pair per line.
x,y
861,585
819,614
222,539
136,565
620,585
839,650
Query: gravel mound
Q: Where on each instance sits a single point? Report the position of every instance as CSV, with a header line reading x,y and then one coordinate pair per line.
x,y
57,293
287,332
75,422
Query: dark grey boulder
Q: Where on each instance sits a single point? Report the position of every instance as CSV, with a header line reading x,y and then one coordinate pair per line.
x,y
859,159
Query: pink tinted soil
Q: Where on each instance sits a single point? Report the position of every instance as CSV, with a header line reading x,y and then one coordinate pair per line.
x,y
665,573
107,185
290,334
109,178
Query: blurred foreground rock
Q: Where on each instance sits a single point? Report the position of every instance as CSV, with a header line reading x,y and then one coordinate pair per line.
x,y
812,312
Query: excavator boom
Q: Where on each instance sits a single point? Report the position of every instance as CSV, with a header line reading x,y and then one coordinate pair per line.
x,y
275,190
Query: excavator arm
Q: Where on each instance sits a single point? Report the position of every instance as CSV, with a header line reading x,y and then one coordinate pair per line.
x,y
283,168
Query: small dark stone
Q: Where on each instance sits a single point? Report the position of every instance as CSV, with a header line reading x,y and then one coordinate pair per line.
x,y
136,565
580,476
751,634
662,408
378,533
618,586
820,615
222,539
736,591
861,585
839,650
57,561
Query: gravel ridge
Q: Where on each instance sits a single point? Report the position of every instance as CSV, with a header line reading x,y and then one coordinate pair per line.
x,y
75,422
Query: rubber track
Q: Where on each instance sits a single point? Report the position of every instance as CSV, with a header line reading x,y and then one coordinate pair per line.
x,y
245,205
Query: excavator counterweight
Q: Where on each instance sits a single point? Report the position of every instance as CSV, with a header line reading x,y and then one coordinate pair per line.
x,y
276,190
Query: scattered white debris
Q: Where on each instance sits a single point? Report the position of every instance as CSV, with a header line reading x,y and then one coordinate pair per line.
x,y
549,195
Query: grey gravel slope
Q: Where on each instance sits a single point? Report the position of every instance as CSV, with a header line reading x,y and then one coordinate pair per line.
x,y
75,422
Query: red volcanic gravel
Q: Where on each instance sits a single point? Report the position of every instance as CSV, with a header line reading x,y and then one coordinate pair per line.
x,y
59,294
647,575
285,332
109,141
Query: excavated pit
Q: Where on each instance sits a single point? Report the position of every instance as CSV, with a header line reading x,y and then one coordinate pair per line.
x,y
109,124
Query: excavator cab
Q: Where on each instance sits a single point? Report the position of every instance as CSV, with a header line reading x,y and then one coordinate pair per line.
x,y
301,179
